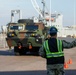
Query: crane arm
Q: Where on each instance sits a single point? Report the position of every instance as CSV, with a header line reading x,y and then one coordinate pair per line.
x,y
37,8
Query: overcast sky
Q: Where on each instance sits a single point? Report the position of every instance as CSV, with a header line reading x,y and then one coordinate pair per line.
x,y
65,7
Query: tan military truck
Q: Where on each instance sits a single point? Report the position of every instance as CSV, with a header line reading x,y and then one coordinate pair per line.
x,y
25,36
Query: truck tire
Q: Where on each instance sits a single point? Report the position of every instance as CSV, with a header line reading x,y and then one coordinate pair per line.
x,y
35,51
16,51
27,21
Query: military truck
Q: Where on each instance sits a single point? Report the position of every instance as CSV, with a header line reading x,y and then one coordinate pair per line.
x,y
26,36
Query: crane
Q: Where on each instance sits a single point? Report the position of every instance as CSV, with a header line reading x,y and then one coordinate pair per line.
x,y
37,8
40,12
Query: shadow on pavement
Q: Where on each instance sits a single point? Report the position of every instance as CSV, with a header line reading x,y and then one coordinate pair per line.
x,y
11,53
41,72
7,53
70,72
24,73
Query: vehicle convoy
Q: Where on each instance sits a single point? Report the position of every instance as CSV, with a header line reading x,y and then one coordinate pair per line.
x,y
26,36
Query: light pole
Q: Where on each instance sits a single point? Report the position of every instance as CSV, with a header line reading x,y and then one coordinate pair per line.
x,y
43,12
50,14
74,12
74,18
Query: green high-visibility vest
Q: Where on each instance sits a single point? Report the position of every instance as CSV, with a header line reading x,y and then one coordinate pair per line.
x,y
50,54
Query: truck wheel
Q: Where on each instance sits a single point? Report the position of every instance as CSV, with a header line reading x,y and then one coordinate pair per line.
x,y
35,51
16,51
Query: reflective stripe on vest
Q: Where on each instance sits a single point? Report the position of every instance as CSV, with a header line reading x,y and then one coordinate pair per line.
x,y
50,54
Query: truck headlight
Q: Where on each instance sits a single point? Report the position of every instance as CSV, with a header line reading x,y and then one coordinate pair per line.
x,y
32,34
12,34
37,40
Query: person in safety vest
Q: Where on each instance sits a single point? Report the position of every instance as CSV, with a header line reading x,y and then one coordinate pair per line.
x,y
52,50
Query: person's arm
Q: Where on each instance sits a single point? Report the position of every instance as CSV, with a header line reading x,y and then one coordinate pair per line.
x,y
42,52
69,44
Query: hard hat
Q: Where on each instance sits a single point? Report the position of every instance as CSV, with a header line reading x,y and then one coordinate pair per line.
x,y
53,30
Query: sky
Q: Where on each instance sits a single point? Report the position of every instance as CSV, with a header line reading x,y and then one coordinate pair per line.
x,y
65,7
24,5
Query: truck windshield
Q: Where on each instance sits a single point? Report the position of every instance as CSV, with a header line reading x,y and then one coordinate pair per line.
x,y
16,27
31,27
